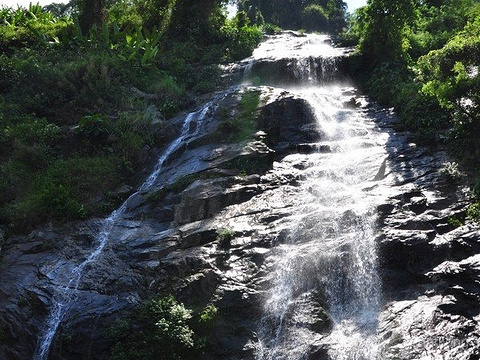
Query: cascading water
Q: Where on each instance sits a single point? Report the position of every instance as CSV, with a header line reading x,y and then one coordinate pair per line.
x,y
64,294
325,290
327,268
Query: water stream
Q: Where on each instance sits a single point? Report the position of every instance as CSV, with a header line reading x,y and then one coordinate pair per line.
x,y
324,287
64,294
326,271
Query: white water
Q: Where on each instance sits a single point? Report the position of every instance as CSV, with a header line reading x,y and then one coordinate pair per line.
x,y
65,294
329,260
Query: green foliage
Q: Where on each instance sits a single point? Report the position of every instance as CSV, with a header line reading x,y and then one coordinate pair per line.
x,y
30,130
140,45
473,212
392,84
170,94
271,29
88,90
159,330
318,15
385,29
315,17
94,127
240,41
30,27
451,75
451,171
64,190
243,124
156,13
208,316
225,235
454,222
132,132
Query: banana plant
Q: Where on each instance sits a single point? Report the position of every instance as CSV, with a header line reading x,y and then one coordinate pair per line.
x,y
142,45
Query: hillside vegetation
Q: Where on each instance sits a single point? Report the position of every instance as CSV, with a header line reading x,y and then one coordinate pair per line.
x,y
422,58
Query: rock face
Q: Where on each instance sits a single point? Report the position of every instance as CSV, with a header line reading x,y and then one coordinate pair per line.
x,y
169,241
429,264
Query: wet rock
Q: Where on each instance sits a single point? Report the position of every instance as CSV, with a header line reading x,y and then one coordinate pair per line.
x,y
318,352
429,267
286,122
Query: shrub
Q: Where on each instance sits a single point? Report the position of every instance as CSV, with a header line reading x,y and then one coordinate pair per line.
x,y
162,332
65,190
240,40
208,315
451,171
315,18
271,29
31,130
473,212
94,128
225,236
32,27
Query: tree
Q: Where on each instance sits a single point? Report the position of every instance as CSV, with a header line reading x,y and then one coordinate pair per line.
x,y
198,20
91,13
452,75
385,30
156,13
319,15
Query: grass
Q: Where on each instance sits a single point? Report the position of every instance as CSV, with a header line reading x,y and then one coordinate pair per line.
x,y
242,126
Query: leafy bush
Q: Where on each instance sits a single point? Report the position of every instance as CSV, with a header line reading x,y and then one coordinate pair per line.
x,y
225,236
451,171
473,212
451,75
65,190
315,17
159,330
240,41
271,29
208,315
30,130
94,128
31,27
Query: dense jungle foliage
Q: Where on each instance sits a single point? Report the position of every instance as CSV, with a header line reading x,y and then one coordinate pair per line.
x,y
312,15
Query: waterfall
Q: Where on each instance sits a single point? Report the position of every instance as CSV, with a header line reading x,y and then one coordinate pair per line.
x,y
325,290
65,293
323,293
